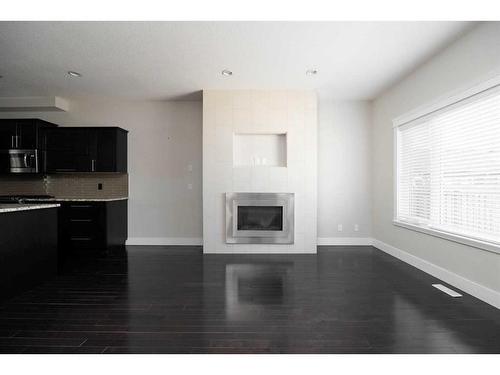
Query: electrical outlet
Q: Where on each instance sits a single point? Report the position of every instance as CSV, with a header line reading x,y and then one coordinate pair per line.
x,y
356,227
340,228
190,167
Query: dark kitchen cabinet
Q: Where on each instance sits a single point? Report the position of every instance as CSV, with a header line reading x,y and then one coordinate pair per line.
x,y
86,149
22,133
7,134
109,149
67,150
87,227
28,249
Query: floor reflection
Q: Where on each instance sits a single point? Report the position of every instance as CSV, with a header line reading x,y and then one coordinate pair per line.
x,y
252,288
414,328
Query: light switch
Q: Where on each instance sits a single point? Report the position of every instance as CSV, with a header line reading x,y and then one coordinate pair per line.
x,y
340,228
190,167
190,186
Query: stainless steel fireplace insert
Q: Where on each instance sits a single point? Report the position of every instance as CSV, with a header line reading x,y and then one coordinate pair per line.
x,y
260,218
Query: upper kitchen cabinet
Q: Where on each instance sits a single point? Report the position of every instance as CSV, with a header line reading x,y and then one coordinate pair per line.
x,y
108,147
67,150
7,135
22,133
86,149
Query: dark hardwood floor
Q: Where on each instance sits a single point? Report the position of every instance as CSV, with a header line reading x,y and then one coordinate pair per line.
x,y
176,300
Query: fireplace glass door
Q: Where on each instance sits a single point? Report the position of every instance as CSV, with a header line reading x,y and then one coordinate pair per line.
x,y
260,218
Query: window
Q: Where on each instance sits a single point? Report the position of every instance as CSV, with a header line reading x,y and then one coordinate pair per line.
x,y
448,170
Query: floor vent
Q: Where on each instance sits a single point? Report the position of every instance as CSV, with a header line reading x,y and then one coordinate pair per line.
x,y
446,290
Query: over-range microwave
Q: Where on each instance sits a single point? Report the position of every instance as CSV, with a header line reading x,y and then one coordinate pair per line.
x,y
19,161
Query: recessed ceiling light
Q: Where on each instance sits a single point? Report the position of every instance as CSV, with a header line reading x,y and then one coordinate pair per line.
x,y
74,74
311,72
227,73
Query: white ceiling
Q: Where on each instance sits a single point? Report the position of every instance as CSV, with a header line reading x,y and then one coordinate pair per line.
x,y
175,60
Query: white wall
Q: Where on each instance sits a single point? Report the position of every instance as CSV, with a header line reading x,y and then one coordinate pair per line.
x,y
469,59
344,172
227,112
164,139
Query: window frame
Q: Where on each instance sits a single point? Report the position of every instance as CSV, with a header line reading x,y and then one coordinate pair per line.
x,y
439,105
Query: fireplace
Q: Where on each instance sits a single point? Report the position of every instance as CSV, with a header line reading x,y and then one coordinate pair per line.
x,y
260,218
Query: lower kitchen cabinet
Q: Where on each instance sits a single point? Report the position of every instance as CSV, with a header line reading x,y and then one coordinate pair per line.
x,y
28,249
87,228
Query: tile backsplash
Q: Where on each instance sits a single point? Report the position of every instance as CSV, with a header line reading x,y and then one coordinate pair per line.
x,y
19,184
67,185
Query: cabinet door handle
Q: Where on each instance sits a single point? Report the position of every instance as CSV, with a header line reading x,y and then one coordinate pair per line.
x,y
80,206
93,165
14,141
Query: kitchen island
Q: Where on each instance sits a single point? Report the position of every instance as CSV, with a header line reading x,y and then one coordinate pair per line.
x,y
28,246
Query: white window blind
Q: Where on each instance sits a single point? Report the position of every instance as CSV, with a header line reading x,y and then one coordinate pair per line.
x,y
448,169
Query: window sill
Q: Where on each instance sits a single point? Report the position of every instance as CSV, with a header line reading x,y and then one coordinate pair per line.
x,y
483,245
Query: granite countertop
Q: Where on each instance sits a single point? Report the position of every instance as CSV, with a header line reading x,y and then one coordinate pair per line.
x,y
14,207
55,199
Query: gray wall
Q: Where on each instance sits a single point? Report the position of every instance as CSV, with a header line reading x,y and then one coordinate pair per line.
x,y
469,59
344,177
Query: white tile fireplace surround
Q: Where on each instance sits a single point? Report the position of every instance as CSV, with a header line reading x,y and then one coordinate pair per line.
x,y
260,142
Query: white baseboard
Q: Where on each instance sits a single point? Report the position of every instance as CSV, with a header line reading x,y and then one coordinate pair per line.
x,y
166,241
198,241
265,251
345,241
479,291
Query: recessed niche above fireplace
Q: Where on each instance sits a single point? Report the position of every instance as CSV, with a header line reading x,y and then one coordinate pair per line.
x,y
260,218
259,150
